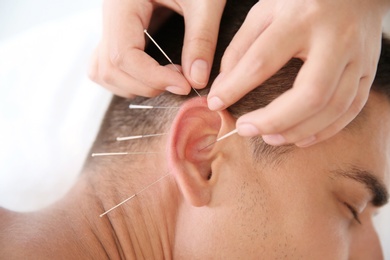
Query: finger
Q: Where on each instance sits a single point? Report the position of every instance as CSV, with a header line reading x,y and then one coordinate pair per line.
x,y
94,75
202,19
123,25
346,119
115,80
266,56
126,86
311,92
125,49
305,132
152,74
257,20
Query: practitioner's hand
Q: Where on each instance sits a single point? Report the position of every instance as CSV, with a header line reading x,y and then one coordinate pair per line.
x,y
339,42
120,64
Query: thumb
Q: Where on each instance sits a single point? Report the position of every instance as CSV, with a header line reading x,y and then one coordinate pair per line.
x,y
202,19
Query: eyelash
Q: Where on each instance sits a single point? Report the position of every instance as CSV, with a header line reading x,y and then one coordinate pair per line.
x,y
354,212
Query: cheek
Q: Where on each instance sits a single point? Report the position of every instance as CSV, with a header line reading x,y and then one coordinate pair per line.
x,y
291,227
258,232
317,236
305,219
283,214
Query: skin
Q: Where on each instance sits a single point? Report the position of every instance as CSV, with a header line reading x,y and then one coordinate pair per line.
x,y
346,44
341,38
292,208
120,64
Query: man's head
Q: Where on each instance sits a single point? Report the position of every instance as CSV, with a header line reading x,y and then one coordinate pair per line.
x,y
241,197
302,206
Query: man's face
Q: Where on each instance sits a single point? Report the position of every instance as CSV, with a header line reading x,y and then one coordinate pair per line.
x,y
308,204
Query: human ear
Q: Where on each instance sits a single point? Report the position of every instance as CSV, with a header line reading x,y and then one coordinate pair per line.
x,y
195,127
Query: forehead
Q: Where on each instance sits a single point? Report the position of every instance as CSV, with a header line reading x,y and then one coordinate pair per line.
x,y
366,141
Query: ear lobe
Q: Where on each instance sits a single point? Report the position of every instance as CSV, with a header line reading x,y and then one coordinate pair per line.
x,y
194,127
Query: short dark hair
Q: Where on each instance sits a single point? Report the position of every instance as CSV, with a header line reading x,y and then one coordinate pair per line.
x,y
120,121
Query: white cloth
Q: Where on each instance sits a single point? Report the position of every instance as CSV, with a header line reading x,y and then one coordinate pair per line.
x,y
49,110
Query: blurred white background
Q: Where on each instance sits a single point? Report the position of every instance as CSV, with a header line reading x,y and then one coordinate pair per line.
x,y
49,110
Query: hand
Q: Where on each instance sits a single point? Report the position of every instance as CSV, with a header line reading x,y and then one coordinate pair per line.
x,y
339,42
120,64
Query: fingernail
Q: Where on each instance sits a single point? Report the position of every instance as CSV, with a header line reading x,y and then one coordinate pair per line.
x,y
247,130
274,139
215,103
176,90
199,72
306,142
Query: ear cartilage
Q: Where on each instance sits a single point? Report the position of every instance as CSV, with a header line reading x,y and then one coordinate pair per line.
x,y
121,153
221,138
166,56
125,138
131,106
134,195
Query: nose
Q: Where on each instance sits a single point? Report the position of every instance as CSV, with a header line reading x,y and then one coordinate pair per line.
x,y
365,243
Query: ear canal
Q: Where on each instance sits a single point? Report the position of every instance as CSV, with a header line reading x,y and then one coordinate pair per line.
x,y
194,127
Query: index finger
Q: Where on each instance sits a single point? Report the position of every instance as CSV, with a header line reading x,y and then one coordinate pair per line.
x,y
202,19
314,86
268,53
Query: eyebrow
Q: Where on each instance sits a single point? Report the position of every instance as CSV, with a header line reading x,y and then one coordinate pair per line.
x,y
372,183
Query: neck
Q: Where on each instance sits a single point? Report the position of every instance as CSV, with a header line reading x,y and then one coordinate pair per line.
x,y
72,228
62,229
142,227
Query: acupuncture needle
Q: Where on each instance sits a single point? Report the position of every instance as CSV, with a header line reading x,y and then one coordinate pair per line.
x,y
166,56
133,137
121,153
132,106
221,138
156,181
134,195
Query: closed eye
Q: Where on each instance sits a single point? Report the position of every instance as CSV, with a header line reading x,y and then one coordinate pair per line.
x,y
354,212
